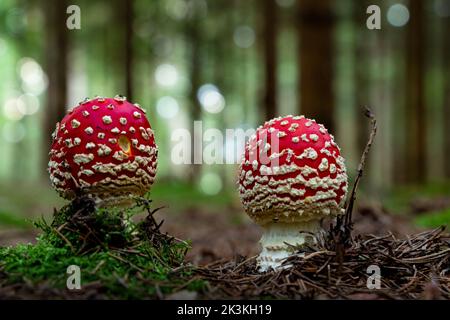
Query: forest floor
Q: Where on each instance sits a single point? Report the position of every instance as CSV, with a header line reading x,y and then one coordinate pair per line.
x,y
223,238
216,236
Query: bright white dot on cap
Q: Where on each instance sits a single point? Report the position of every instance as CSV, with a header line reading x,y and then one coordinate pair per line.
x,y
442,8
398,15
166,75
244,36
34,80
210,98
11,110
211,184
285,3
167,107
13,132
28,104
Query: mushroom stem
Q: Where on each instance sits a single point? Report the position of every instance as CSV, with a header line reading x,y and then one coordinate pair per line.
x,y
279,238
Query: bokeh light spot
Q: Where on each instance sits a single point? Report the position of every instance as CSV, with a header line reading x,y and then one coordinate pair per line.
x,y
211,184
167,107
244,36
210,98
11,110
398,15
166,75
34,80
28,104
13,132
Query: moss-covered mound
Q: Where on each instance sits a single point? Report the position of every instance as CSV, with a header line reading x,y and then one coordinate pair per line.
x,y
118,258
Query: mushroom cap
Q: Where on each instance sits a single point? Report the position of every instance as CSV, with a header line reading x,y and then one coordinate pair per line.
x,y
292,171
104,147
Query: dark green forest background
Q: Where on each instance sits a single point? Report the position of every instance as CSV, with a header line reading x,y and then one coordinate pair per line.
x,y
260,59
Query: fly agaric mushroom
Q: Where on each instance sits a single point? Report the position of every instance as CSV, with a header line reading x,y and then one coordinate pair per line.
x,y
104,148
301,181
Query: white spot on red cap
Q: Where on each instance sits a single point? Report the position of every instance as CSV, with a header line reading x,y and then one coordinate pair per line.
x,y
314,137
120,98
304,138
90,145
82,158
323,164
332,168
144,133
137,115
75,123
103,150
68,142
107,119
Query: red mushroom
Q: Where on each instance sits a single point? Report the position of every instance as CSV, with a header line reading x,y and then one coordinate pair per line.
x,y
304,182
105,148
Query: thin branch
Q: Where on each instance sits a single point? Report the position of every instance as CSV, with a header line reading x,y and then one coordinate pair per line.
x,y
349,211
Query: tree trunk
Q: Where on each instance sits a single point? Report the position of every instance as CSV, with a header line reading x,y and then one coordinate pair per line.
x,y
128,17
316,24
361,79
446,110
270,57
195,68
415,99
56,69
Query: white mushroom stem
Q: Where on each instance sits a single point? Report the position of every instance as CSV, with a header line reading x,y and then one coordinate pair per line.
x,y
278,239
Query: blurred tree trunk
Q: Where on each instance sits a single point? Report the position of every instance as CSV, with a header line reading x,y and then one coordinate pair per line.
x,y
223,73
128,17
270,56
193,40
415,99
361,81
56,69
446,111
316,26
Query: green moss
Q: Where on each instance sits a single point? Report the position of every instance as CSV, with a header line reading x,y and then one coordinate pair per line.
x,y
129,260
434,219
9,219
399,199
184,195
